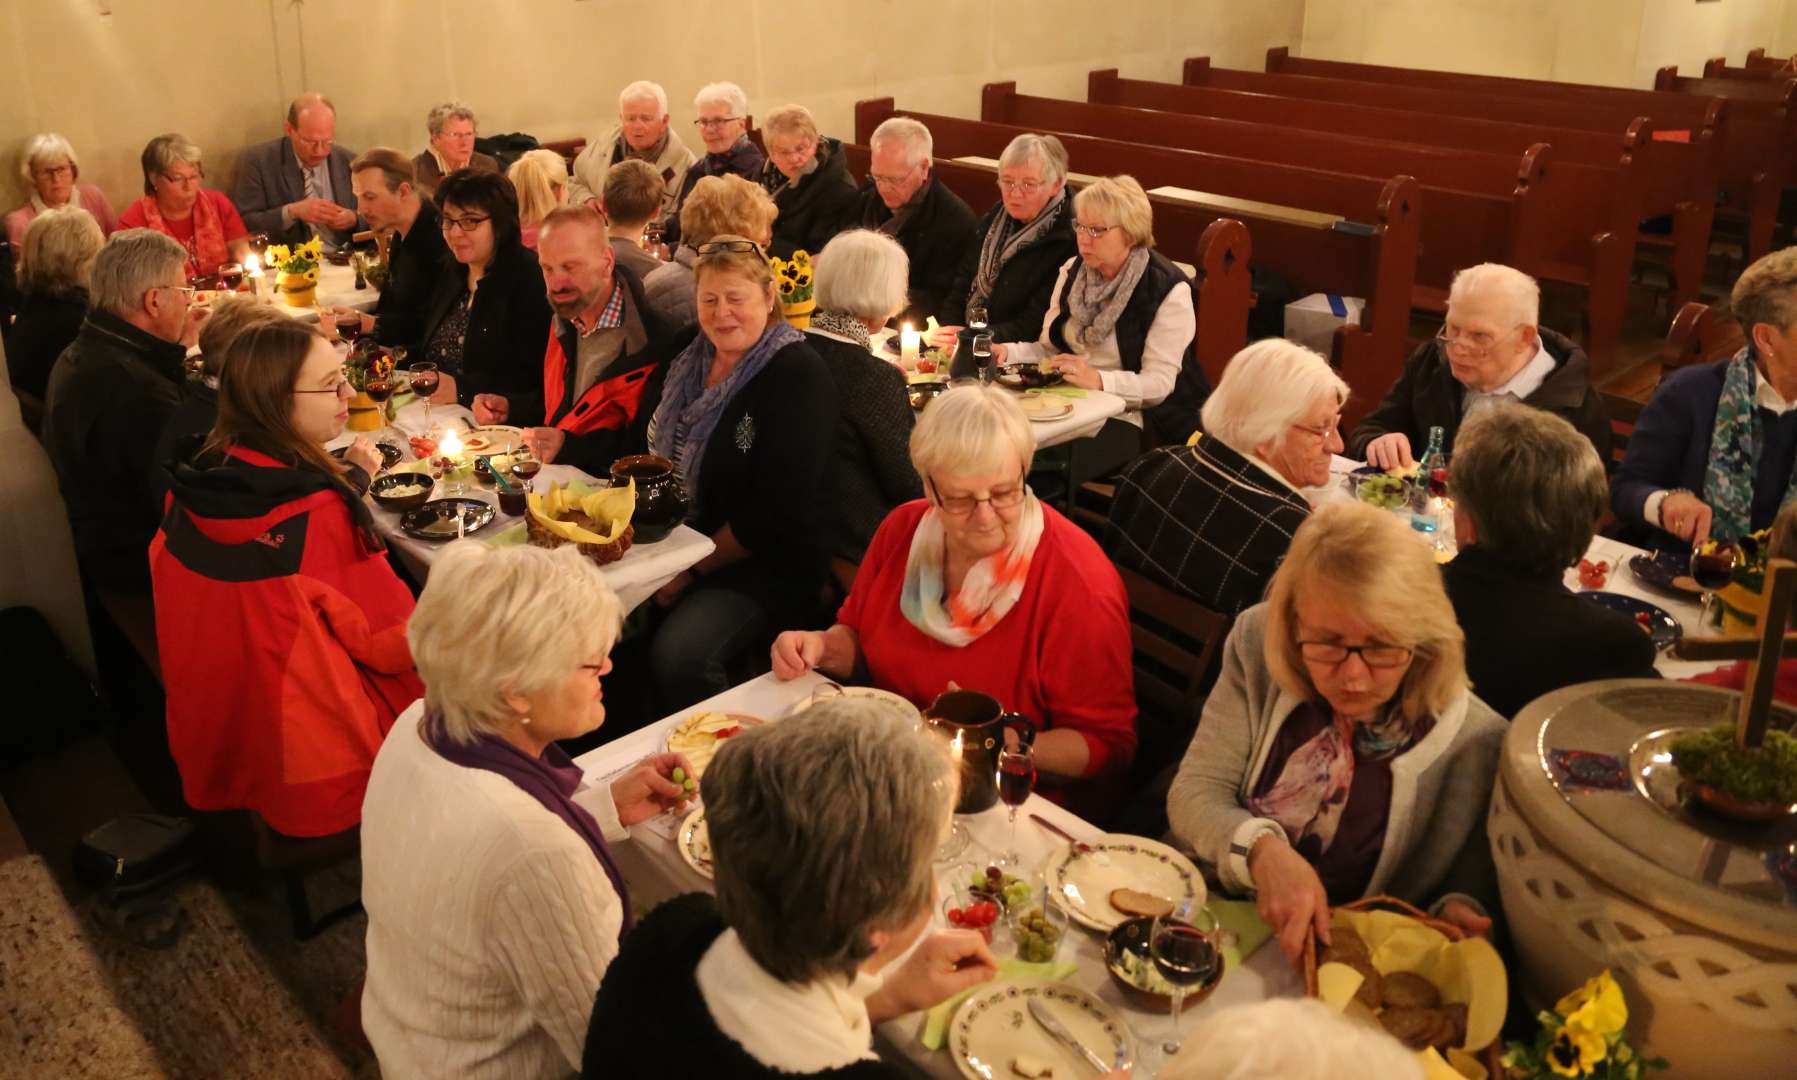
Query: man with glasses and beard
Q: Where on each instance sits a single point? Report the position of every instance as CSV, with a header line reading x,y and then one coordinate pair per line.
x,y
607,353
1491,346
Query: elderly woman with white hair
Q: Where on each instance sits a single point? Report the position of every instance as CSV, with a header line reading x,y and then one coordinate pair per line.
x,y
1212,520
642,133
823,828
1292,1039
1007,277
1341,754
809,180
1122,319
494,901
57,262
201,220
723,125
1491,346
984,586
52,174
860,284
452,134
904,199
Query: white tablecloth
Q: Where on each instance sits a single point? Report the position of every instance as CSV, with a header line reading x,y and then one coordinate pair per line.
x,y
643,569
336,288
655,871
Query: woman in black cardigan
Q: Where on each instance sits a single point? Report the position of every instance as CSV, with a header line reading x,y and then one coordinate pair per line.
x,y
487,323
747,415
1007,277
809,181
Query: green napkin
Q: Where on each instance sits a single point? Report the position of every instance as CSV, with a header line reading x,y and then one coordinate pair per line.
x,y
510,536
935,1025
1242,918
1060,390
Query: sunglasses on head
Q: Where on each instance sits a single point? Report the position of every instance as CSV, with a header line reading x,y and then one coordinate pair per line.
x,y
738,247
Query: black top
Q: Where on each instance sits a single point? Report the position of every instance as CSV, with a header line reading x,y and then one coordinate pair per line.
x,y
48,321
1427,395
1021,295
1526,634
815,208
1204,521
191,421
764,475
650,1021
870,471
414,262
110,395
934,238
508,329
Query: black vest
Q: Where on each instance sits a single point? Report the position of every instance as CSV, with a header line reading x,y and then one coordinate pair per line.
x,y
1175,418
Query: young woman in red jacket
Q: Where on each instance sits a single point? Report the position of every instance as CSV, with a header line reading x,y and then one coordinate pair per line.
x,y
281,626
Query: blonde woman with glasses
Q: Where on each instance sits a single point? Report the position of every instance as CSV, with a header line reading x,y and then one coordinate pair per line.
x,y
983,586
1341,753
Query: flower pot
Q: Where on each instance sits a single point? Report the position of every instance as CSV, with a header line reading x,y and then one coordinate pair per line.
x,y
297,290
798,315
366,414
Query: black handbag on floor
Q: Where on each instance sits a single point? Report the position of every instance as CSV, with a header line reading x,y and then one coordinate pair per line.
x,y
135,861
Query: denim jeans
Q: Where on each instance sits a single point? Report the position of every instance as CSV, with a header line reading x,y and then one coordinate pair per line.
x,y
700,640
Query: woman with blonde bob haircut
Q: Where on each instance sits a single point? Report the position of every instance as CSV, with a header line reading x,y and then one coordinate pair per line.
x,y
55,267
541,179
482,840
717,206
52,175
981,584
1341,753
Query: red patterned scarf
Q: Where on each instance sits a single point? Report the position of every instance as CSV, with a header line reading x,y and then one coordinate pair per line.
x,y
207,250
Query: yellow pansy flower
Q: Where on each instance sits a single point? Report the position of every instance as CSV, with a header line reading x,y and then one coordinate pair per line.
x,y
1598,1006
1575,1051
277,254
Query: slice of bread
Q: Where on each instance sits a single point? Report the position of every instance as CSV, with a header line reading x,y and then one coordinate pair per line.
x,y
1147,905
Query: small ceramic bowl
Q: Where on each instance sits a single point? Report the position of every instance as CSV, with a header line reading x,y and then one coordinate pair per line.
x,y
1132,935
398,503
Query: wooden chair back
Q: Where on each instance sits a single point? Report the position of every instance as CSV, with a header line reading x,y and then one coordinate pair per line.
x,y
569,149
1178,645
1623,413
1701,334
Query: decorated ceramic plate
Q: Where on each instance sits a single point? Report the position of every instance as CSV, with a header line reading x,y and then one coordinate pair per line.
x,y
1043,408
390,454
694,842
436,520
993,1029
699,736
1667,570
1081,877
493,439
888,700
1651,618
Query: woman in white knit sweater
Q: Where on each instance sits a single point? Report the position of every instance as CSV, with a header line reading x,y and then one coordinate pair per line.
x,y
1341,753
494,906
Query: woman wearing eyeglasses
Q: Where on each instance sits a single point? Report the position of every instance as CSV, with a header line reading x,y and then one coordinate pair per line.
x,y
808,179
748,415
1122,319
52,175
487,321
280,625
981,585
723,125
1341,753
176,203
1007,278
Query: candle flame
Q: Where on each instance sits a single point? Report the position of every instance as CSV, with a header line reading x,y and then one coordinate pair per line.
x,y
451,446
253,265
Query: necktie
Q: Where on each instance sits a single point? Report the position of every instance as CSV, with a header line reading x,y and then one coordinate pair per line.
x,y
311,193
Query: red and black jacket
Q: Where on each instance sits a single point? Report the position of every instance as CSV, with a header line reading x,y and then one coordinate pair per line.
x,y
611,419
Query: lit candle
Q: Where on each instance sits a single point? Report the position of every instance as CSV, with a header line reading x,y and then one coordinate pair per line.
x,y
252,272
450,447
909,339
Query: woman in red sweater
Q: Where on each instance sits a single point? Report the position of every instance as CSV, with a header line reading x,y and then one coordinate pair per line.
x,y
981,585
281,626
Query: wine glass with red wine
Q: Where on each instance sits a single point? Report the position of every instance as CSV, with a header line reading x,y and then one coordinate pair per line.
x,y
349,325
1016,779
424,383
230,277
1183,947
1713,570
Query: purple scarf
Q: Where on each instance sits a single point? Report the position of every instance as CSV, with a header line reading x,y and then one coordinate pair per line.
x,y
550,780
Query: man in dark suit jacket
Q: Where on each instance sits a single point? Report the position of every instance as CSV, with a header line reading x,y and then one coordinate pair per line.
x,y
272,179
1528,490
904,199
1491,346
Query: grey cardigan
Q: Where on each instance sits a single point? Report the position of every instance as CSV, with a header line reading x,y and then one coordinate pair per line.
x,y
1435,836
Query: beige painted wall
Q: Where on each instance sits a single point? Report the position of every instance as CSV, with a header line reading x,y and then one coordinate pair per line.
x,y
1613,42
110,74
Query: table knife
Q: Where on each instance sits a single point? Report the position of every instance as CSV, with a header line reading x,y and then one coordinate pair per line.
x,y
1051,1024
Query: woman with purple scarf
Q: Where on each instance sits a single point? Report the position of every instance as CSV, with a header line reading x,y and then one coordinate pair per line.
x,y
748,417
494,903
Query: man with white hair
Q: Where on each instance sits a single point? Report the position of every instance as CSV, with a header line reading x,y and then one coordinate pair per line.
x,y
723,125
904,199
297,186
111,392
1213,520
1492,345
642,133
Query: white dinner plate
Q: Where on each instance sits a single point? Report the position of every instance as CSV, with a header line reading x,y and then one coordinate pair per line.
x,y
694,843
1081,878
1042,408
993,1027
891,702
696,737
493,439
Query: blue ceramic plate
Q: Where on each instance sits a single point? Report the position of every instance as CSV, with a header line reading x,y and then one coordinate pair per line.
x,y
1666,629
1662,569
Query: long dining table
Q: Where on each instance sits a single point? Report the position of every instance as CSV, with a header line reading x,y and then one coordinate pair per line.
x,y
655,871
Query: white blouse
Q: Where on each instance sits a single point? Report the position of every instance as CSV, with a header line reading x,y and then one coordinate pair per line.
x,y
1175,325
490,923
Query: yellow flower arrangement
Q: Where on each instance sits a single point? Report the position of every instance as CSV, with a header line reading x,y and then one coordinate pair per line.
x,y
794,277
296,260
1582,1036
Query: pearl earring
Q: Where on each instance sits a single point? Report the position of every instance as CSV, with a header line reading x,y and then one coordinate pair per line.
x,y
525,720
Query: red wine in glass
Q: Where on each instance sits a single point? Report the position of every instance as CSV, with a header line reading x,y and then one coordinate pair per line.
x,y
1438,483
1016,779
349,327
1183,954
378,389
1713,570
230,277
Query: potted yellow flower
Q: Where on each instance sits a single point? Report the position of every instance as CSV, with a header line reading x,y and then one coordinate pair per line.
x,y
1582,1036
296,271
794,278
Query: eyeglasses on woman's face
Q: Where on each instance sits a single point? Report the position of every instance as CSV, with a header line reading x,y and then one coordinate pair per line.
x,y
1374,655
1320,432
999,498
737,247
713,123
339,386
464,224
1092,232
